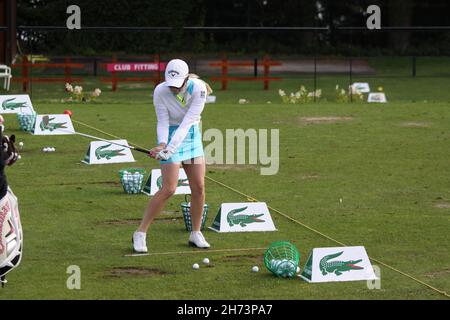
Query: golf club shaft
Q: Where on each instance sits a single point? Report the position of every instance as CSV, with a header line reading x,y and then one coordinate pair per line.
x,y
112,142
104,132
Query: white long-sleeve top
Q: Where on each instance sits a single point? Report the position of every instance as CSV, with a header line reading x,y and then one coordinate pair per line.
x,y
183,110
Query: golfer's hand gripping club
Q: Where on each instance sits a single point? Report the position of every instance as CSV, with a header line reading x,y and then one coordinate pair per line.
x,y
164,154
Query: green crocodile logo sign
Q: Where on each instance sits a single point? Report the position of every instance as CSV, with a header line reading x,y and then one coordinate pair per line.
x,y
337,267
102,152
181,183
46,124
8,104
234,218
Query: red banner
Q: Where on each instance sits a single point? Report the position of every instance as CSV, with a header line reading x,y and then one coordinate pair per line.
x,y
135,66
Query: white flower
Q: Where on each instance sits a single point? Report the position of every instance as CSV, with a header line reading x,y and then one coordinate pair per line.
x,y
337,87
96,92
281,92
78,89
242,101
69,87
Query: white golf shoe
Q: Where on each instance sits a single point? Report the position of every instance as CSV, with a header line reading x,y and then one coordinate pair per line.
x,y
139,242
198,240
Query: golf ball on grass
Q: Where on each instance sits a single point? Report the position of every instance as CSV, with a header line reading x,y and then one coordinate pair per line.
x,y
195,266
206,261
255,269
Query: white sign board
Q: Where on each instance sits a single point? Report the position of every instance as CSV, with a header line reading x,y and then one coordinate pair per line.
x,y
53,124
377,97
338,264
101,152
210,99
243,217
362,87
154,183
17,103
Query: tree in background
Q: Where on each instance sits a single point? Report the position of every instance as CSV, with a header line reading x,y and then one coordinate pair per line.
x,y
235,13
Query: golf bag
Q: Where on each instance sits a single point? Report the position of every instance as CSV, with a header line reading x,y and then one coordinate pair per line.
x,y
11,236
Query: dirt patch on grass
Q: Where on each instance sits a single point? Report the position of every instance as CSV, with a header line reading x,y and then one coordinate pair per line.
x,y
136,272
442,205
320,120
114,183
169,219
171,212
234,167
121,222
440,273
309,177
415,124
136,221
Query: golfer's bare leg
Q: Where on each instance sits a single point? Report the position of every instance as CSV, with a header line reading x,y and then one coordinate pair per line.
x,y
195,172
169,173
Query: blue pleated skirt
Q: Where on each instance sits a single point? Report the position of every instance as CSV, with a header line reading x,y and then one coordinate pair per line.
x,y
190,148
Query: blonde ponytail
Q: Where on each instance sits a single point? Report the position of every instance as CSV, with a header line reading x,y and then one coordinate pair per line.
x,y
209,90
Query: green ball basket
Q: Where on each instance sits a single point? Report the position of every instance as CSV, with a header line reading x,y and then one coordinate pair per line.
x,y
282,259
27,121
132,179
186,209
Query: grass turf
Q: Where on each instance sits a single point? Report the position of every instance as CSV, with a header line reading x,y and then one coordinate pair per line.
x,y
387,163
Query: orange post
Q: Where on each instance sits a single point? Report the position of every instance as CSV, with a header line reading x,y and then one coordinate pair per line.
x,y
68,71
113,75
25,73
224,72
266,72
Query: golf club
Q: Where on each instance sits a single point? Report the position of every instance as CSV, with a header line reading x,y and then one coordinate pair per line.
x,y
112,142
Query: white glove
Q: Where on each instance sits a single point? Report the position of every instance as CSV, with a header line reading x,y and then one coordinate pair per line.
x,y
164,154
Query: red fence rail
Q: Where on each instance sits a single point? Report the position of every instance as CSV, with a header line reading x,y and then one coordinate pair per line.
x,y
26,66
224,64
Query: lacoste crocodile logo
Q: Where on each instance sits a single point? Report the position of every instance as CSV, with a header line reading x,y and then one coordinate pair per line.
x,y
7,104
101,152
337,267
47,125
233,218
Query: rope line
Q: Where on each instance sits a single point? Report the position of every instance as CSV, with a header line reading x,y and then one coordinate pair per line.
x,y
193,252
106,133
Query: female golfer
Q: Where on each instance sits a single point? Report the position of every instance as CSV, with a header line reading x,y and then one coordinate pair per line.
x,y
179,102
